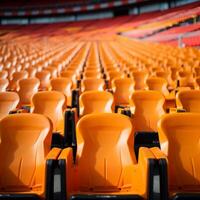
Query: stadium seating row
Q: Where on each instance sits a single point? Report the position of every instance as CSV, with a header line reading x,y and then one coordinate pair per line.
x,y
113,116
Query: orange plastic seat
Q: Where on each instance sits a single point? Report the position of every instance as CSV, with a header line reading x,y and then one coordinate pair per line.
x,y
197,71
139,78
179,138
105,166
53,71
115,74
17,76
92,84
62,84
3,74
91,74
27,88
8,102
44,77
197,81
148,108
68,74
10,72
31,72
158,84
189,100
27,157
122,90
186,79
174,72
50,104
95,102
3,84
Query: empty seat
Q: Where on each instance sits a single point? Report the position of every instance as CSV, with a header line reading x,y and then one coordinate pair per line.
x,y
3,74
158,84
27,88
139,78
31,72
115,74
95,102
189,100
91,74
122,90
3,84
17,76
105,166
186,79
8,102
53,71
92,84
148,108
197,82
179,135
44,77
27,157
62,84
50,104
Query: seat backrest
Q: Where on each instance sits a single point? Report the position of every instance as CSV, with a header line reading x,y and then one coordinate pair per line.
x,y
3,84
158,84
197,81
95,102
179,135
17,76
140,79
3,74
189,100
10,71
31,72
27,88
115,74
91,74
103,152
8,102
148,108
24,143
50,104
53,71
163,74
122,88
62,84
174,71
44,77
197,71
92,84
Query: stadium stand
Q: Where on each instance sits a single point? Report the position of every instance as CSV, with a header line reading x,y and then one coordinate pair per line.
x,y
104,109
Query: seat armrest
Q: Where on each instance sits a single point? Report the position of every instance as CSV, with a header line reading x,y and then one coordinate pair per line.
x,y
67,171
163,172
51,165
66,154
27,108
18,111
158,153
109,90
76,115
144,173
54,153
176,110
119,108
57,140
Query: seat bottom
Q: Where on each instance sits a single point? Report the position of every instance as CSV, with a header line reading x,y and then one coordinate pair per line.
x,y
186,196
105,197
19,196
